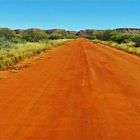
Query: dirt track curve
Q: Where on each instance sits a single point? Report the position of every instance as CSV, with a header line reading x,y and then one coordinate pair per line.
x,y
81,91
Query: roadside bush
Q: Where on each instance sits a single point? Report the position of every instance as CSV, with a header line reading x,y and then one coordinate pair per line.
x,y
123,47
121,38
18,39
131,40
72,36
138,51
104,35
5,43
136,38
127,47
19,52
131,44
7,33
132,50
98,35
33,36
56,36
114,44
93,37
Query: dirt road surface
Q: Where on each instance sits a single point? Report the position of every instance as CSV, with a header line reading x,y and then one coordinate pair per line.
x,y
80,91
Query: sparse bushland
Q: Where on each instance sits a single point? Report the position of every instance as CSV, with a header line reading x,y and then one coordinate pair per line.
x,y
127,47
55,36
16,47
112,35
17,52
8,36
70,36
126,42
32,36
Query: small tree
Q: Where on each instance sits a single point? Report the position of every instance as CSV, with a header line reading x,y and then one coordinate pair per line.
x,y
17,39
5,43
70,36
121,38
35,36
7,33
56,36
136,38
92,37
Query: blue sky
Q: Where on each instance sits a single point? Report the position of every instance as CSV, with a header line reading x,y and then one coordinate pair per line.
x,y
69,14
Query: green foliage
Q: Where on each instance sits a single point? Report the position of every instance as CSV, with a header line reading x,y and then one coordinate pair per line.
x,y
104,35
18,39
7,43
18,52
56,36
114,36
93,37
15,47
7,33
136,38
70,36
127,47
121,38
33,36
4,43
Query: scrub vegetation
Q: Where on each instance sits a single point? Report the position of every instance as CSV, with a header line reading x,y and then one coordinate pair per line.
x,y
126,42
15,47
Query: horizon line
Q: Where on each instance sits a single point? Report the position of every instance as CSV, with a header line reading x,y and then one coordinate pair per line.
x,y
69,29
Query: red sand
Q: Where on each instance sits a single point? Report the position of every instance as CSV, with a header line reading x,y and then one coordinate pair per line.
x,y
81,91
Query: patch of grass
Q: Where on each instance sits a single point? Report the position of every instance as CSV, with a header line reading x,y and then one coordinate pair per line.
x,y
127,47
138,51
14,71
18,52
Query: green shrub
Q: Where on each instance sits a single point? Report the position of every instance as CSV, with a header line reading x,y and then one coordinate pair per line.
x,y
104,35
127,47
19,52
136,38
131,44
123,47
72,36
132,50
138,51
92,37
18,39
133,40
34,36
121,38
5,43
7,33
56,36
114,44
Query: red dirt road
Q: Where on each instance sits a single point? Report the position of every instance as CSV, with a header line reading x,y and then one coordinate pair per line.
x,y
81,91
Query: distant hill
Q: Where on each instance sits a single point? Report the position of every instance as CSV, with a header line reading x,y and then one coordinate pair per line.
x,y
81,33
89,32
86,33
129,30
57,31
